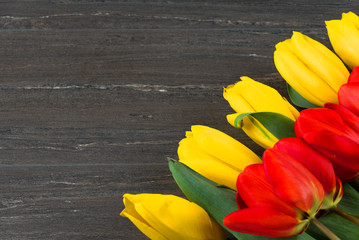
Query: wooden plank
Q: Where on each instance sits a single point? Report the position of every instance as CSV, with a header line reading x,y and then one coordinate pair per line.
x,y
74,202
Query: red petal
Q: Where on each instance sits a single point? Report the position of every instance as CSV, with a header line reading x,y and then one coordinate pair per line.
x,y
240,203
348,96
255,190
292,181
342,151
323,120
319,165
354,76
263,221
348,116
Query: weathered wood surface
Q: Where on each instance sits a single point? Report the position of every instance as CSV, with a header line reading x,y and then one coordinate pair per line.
x,y
94,95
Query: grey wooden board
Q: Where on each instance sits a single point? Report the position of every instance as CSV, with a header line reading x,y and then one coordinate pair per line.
x,y
94,95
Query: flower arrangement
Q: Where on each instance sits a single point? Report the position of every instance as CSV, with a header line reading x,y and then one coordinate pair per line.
x,y
305,186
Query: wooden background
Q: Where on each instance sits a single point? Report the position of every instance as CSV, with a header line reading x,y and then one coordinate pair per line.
x,y
94,95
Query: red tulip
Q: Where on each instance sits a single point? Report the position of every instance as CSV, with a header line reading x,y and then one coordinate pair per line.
x,y
334,132
319,165
277,198
348,95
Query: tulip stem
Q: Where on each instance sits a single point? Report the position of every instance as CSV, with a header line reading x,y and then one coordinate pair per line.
x,y
345,215
325,230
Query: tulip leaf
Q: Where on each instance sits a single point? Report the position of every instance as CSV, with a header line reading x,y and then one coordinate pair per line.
x,y
350,200
298,100
217,201
277,124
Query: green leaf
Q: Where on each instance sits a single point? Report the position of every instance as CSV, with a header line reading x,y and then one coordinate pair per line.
x,y
277,124
350,200
217,201
298,100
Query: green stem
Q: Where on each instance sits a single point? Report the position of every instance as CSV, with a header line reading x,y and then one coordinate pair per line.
x,y
355,184
325,230
345,215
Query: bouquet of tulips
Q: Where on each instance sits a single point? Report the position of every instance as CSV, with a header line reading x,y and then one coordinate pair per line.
x,y
304,187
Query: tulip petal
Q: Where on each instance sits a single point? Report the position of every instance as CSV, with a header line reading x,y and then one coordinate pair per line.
x,y
236,101
344,155
320,60
224,147
255,191
254,129
251,96
349,97
207,165
300,187
344,36
292,69
347,116
316,163
131,213
320,120
264,221
319,165
174,217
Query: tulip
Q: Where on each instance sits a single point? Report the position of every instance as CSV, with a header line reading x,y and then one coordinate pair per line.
x,y
168,217
310,68
348,94
215,155
334,132
277,198
251,96
344,37
319,165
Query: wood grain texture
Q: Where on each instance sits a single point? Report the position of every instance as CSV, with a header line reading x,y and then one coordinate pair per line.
x,y
94,95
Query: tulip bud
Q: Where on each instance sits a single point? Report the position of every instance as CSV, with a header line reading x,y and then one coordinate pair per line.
x,y
168,217
344,37
215,155
251,96
310,68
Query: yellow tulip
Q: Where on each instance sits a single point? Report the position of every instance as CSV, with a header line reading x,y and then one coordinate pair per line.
x,y
344,37
215,155
168,217
310,68
251,96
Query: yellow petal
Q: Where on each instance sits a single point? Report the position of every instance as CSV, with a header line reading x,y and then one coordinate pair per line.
x,y
236,101
352,18
207,165
320,60
224,147
303,80
344,37
131,213
252,96
255,130
175,218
